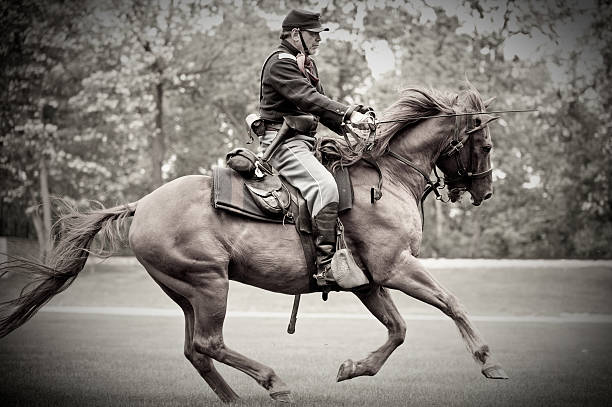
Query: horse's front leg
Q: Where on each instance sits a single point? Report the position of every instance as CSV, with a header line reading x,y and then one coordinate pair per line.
x,y
379,303
409,276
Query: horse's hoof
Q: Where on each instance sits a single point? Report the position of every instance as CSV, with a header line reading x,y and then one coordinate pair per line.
x,y
283,396
494,372
346,371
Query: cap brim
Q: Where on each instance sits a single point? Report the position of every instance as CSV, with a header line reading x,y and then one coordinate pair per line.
x,y
317,29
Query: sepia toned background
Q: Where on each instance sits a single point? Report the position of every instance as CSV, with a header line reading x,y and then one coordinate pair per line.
x,y
106,100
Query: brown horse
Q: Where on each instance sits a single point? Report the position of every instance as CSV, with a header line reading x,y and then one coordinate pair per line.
x,y
192,250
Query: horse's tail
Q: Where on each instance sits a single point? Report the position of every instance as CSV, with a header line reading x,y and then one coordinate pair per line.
x,y
74,233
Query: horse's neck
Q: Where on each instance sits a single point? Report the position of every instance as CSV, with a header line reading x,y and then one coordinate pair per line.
x,y
421,145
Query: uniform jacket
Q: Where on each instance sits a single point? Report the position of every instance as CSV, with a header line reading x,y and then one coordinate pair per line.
x,y
286,91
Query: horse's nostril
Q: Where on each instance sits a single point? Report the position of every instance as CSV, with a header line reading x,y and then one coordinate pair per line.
x,y
488,195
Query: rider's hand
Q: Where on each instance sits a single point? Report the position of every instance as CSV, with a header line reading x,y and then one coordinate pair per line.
x,y
359,120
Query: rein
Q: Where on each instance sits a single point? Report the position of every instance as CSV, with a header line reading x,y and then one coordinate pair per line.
x,y
456,144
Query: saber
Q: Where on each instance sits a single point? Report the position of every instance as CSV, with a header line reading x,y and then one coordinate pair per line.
x,y
460,114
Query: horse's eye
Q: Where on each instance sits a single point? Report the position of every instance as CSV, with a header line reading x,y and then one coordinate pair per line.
x,y
487,149
477,122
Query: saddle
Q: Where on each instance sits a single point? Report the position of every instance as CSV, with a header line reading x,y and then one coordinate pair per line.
x,y
252,189
257,191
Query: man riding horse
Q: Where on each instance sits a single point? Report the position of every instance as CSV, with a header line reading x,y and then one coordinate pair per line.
x,y
290,86
193,250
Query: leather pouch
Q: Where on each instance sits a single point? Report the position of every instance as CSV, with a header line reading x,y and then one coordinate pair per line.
x,y
270,195
344,269
303,124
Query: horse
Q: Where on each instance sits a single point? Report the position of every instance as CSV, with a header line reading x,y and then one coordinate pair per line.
x,y
192,250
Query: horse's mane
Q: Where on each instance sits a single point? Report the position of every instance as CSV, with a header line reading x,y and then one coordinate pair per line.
x,y
413,105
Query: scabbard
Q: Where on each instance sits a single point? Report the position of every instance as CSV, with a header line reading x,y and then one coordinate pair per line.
x,y
283,134
292,125
294,311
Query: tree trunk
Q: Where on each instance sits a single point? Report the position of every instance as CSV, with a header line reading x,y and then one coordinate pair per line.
x,y
40,234
474,247
438,227
158,142
43,226
344,72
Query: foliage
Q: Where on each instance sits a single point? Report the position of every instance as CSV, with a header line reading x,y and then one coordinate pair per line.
x,y
553,169
107,99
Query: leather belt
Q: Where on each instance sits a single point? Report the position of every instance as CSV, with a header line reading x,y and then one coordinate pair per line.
x,y
272,126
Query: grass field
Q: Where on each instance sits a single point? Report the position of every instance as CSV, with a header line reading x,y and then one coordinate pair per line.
x,y
75,359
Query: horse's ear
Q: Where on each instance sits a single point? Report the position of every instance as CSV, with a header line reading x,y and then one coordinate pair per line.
x,y
488,102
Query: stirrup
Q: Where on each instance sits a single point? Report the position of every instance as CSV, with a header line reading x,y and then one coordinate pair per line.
x,y
324,277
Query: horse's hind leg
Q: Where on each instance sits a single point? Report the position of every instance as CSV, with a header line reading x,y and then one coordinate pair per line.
x,y
409,275
203,300
202,363
209,306
380,304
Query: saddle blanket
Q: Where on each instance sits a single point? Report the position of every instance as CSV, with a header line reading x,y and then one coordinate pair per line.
x,y
230,194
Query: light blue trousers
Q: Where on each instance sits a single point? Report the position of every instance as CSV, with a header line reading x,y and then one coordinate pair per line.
x,y
295,161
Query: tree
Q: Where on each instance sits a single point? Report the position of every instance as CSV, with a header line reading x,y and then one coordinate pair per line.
x,y
439,48
150,64
107,99
37,85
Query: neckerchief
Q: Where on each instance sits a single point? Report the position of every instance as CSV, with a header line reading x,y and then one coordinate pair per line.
x,y
305,64
307,67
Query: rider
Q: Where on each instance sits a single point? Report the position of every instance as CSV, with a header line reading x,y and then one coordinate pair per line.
x,y
290,86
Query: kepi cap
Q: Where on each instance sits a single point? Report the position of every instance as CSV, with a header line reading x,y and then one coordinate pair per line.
x,y
304,20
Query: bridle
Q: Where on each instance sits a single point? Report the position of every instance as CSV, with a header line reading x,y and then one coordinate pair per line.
x,y
452,151
464,173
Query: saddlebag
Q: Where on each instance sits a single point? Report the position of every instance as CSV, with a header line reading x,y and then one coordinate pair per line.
x,y
270,195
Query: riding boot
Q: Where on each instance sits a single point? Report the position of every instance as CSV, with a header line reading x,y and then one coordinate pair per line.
x,y
324,229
